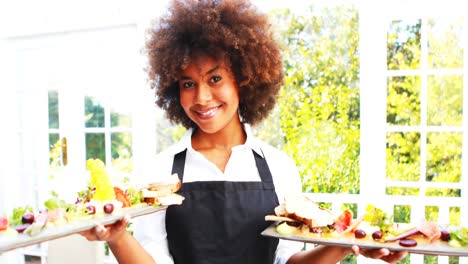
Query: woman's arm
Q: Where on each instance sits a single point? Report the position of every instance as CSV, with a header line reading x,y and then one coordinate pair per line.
x,y
320,255
333,254
123,245
128,250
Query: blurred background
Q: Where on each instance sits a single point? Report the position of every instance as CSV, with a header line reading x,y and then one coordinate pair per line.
x,y
371,109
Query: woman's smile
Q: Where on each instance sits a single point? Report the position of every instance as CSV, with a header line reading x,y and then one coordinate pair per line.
x,y
207,113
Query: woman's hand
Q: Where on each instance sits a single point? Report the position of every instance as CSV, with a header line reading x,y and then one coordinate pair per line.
x,y
382,254
107,233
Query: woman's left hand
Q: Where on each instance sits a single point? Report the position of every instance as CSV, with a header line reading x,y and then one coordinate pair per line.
x,y
382,254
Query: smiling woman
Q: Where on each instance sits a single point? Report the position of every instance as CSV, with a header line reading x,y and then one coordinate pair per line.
x,y
62,74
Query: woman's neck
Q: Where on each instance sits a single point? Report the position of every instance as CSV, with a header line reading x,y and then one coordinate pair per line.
x,y
226,138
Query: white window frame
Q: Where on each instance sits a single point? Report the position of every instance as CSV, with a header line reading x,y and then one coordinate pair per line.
x,y
374,18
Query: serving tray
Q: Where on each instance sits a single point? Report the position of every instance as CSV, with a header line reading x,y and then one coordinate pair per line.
x,y
423,247
51,232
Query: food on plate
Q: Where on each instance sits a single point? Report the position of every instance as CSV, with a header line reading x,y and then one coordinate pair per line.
x,y
305,216
39,223
108,208
100,198
458,237
122,197
27,218
3,223
163,192
99,178
299,216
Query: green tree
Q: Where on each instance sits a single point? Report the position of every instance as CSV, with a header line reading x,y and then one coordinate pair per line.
x,y
319,103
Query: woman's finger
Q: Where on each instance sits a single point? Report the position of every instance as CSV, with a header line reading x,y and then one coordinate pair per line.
x,y
382,253
395,256
101,232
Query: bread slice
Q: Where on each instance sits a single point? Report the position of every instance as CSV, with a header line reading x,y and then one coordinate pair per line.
x,y
173,199
303,209
163,191
168,185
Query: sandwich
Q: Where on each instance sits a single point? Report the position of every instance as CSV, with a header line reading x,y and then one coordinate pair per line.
x,y
298,213
163,192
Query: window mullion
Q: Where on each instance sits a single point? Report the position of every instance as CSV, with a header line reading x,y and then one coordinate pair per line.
x,y
373,100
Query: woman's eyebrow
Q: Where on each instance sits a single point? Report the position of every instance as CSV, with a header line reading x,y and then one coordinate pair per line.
x,y
212,70
215,68
185,78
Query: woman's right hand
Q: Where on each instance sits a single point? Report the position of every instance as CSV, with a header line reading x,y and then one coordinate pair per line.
x,y
107,233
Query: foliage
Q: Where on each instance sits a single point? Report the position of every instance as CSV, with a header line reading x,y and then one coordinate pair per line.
x,y
319,103
167,133
443,107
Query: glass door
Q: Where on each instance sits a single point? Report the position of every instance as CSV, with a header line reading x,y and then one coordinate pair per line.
x,y
79,95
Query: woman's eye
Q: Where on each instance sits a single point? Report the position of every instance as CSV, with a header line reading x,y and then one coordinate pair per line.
x,y
187,84
216,78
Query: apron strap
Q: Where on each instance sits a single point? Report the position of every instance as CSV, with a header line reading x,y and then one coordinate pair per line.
x,y
264,171
178,165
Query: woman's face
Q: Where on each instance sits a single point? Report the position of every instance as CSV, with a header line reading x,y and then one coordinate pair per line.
x,y
209,94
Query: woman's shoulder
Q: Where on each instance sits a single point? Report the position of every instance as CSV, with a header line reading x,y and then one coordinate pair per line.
x,y
272,152
283,169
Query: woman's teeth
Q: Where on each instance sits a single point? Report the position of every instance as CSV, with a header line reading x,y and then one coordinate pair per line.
x,y
208,113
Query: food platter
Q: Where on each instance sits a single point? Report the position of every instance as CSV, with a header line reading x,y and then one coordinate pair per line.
x,y
51,232
423,247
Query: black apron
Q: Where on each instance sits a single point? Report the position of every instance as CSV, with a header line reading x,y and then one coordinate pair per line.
x,y
221,221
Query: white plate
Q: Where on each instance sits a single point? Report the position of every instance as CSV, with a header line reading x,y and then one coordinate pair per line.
x,y
424,247
53,232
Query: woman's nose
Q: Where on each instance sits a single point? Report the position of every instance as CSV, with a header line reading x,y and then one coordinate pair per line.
x,y
203,93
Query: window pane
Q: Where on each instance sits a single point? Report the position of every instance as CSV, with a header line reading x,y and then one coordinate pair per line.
x,y
119,119
455,216
403,100
445,46
403,156
121,148
402,191
444,152
404,44
431,213
94,112
53,109
443,192
402,213
95,146
55,152
445,100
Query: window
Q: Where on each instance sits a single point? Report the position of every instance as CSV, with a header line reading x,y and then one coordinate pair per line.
x,y
413,90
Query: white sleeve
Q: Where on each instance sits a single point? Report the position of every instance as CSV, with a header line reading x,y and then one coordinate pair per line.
x,y
150,231
287,180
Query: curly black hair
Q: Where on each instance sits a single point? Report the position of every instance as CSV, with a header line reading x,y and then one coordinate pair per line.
x,y
233,30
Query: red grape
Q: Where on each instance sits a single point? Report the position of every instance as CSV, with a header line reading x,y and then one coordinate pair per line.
x,y
444,235
359,233
108,208
377,235
27,218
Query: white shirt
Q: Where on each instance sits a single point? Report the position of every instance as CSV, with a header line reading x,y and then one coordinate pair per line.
x,y
150,230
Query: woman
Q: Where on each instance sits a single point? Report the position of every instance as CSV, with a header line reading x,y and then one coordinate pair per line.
x,y
217,70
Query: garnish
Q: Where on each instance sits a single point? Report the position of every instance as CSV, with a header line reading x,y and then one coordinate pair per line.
x,y
100,180
377,217
18,212
459,237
